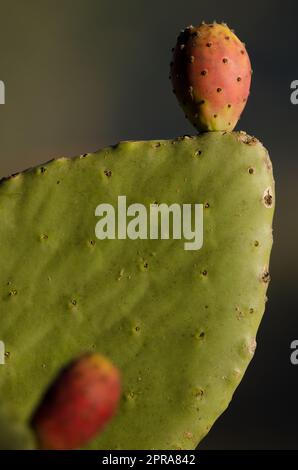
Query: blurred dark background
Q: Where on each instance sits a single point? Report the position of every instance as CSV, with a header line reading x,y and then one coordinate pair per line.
x,y
82,74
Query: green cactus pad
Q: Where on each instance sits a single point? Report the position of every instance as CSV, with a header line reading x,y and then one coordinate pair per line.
x,y
180,325
14,435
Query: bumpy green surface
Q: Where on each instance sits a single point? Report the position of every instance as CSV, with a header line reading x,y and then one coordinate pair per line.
x,y
180,325
14,435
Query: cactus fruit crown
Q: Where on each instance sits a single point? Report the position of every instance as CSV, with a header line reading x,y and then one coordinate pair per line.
x,y
211,75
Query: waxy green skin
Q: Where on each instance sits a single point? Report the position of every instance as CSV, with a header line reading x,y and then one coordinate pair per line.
x,y
180,325
13,434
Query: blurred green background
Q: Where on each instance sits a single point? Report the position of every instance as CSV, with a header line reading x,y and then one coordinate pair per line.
x,y
82,74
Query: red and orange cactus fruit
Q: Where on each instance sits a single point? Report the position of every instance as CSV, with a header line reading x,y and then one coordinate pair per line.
x,y
211,75
79,404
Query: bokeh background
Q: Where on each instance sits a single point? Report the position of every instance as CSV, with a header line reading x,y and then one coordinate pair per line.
x,y
82,74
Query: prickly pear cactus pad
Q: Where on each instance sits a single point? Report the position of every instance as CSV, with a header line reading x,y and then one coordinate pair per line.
x,y
180,325
14,435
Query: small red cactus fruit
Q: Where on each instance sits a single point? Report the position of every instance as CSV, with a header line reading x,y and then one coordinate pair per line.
x,y
211,75
78,405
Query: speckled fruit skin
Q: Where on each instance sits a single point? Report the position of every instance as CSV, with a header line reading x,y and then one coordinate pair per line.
x,y
211,75
78,405
180,325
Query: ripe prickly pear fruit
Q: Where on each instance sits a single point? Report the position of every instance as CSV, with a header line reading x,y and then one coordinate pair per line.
x,y
211,75
79,403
